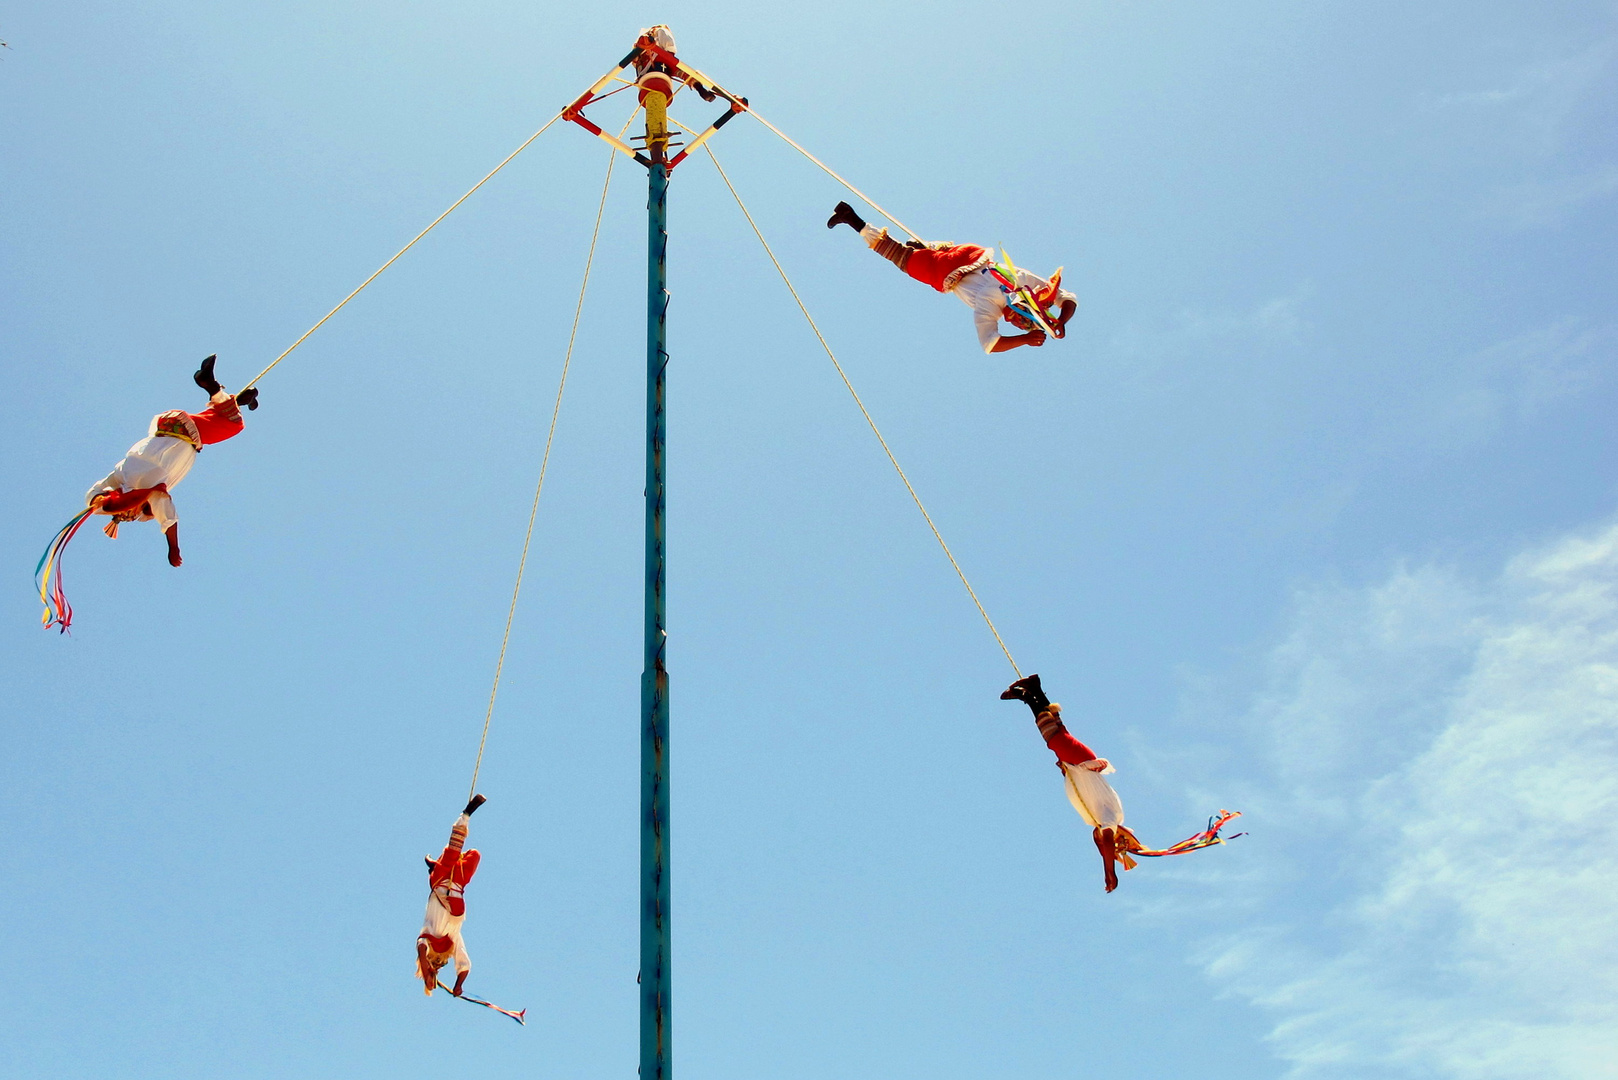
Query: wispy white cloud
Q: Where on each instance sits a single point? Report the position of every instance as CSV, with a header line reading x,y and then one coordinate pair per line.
x,y
1551,115
1512,381
1442,826
1552,200
1158,352
1276,320
1542,92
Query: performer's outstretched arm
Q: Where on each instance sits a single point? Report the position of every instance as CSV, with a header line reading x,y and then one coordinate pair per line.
x,y
1068,308
1034,338
429,978
1106,840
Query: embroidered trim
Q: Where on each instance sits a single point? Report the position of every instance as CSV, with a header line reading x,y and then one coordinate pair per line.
x,y
178,425
953,278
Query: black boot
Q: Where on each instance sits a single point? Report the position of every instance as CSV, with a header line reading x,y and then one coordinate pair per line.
x,y
471,807
844,215
204,376
248,397
1029,692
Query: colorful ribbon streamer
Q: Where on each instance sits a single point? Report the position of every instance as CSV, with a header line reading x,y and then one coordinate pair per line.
x,y
517,1016
48,576
1206,838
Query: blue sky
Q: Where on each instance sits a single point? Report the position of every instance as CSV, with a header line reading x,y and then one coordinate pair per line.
x,y
1311,516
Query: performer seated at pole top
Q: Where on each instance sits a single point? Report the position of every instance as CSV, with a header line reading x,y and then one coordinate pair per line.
x,y
447,877
1091,796
138,488
663,38
969,271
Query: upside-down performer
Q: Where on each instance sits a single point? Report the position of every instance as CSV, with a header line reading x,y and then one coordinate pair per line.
x,y
1094,798
994,291
138,487
440,939
447,878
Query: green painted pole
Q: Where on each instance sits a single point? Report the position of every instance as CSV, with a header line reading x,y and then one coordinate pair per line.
x,y
655,1057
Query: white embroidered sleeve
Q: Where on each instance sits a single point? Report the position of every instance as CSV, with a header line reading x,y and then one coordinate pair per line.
x,y
986,315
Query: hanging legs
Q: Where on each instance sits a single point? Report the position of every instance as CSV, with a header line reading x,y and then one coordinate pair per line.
x,y
843,214
1048,716
877,240
204,375
204,378
1028,691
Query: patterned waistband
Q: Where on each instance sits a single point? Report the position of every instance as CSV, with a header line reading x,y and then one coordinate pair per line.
x,y
954,277
178,425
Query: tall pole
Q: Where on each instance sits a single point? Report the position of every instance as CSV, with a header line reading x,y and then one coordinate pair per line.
x,y
655,1057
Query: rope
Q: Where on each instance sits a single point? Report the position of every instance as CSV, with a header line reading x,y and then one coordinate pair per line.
x,y
402,250
544,463
865,412
829,172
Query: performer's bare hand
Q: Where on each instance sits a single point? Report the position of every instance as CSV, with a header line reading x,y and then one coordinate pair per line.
x,y
1068,308
173,535
460,981
1034,338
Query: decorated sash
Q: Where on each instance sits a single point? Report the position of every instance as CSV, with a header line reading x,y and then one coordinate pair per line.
x,y
177,424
